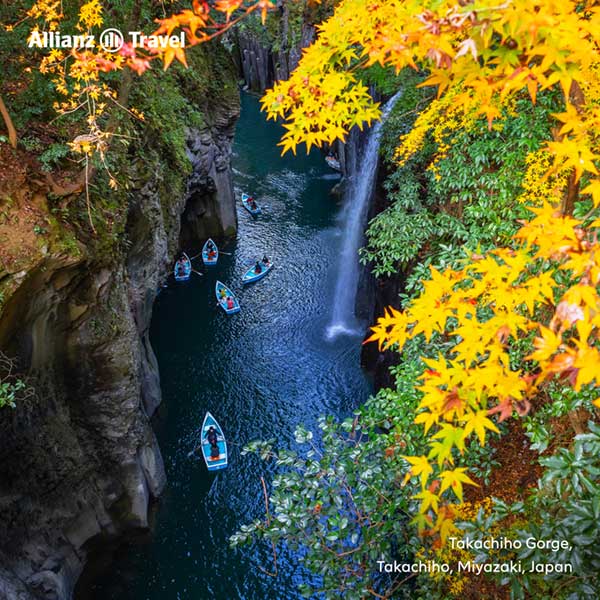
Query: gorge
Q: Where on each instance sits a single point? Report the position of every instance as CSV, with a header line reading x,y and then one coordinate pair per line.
x,y
81,327
261,372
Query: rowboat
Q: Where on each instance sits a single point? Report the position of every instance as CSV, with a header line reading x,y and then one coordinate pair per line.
x,y
251,274
246,202
207,259
214,456
333,163
222,298
183,271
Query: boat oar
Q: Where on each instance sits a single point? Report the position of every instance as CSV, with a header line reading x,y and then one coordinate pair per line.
x,y
195,449
197,255
197,272
225,253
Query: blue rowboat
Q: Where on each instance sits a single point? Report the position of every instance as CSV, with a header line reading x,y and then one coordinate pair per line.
x,y
183,268
246,202
251,274
333,163
223,293
215,455
210,260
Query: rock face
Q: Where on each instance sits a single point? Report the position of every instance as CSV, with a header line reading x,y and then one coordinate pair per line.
x,y
210,206
79,461
262,60
261,65
376,294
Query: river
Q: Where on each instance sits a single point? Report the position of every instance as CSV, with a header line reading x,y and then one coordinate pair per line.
x,y
260,372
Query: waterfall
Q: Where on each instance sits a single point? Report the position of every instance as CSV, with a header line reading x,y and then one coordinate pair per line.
x,y
353,219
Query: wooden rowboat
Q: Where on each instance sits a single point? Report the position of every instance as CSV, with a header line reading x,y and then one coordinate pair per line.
x,y
208,258
247,205
223,293
215,455
182,273
251,274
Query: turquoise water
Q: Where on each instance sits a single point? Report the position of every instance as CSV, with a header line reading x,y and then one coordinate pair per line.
x,y
260,373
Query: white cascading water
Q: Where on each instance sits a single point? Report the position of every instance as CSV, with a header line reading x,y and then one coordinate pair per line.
x,y
353,219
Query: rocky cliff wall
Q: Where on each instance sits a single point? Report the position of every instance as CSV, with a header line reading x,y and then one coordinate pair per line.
x,y
261,62
79,461
377,293
268,53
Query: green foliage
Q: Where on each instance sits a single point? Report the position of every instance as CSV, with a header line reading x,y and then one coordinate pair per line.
x,y
469,200
342,499
562,401
53,155
566,507
481,460
9,391
384,79
31,144
397,235
12,388
172,102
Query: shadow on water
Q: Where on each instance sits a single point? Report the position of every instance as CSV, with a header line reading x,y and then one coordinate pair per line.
x,y
260,372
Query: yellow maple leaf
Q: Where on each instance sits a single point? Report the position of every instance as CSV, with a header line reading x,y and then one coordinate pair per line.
x,y
173,52
546,345
454,480
478,422
428,499
420,467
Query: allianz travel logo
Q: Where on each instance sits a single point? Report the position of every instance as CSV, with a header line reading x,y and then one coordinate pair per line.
x,y
110,40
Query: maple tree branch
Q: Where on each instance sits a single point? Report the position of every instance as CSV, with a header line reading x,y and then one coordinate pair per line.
x,y
274,574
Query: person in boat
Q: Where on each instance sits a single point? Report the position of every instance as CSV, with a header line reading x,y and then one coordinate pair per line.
x,y
211,254
230,302
211,435
252,203
210,246
222,294
265,260
212,438
181,264
257,268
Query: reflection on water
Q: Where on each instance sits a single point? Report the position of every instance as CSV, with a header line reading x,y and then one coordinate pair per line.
x,y
260,373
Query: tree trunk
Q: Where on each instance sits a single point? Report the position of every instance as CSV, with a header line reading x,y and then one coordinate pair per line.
x,y
577,99
12,132
570,196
